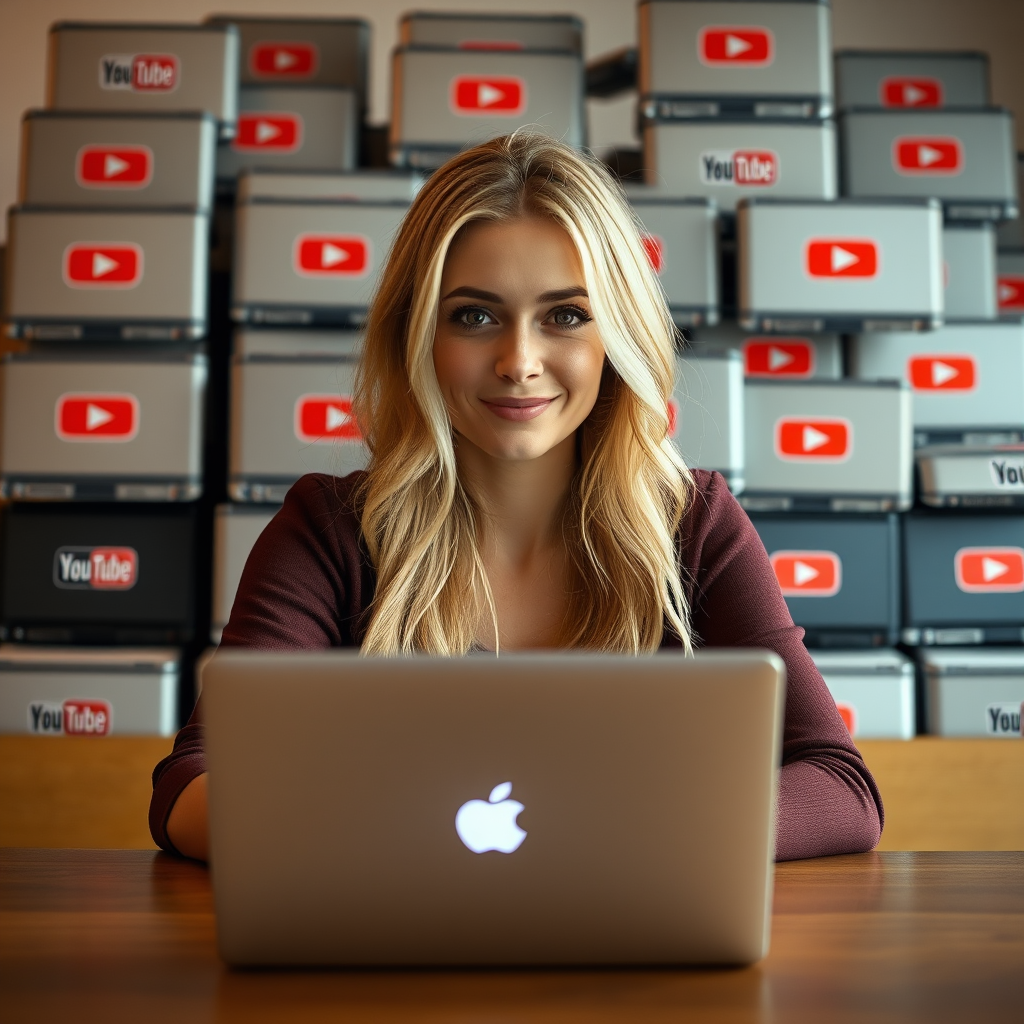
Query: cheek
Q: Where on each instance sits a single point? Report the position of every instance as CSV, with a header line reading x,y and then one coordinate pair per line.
x,y
454,365
581,370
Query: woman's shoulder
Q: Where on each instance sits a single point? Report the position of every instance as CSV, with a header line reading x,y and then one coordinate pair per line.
x,y
714,525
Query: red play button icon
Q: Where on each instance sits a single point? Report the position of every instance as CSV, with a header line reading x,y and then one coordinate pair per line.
x,y
813,440
848,713
268,133
911,92
473,95
1010,292
127,167
100,265
746,45
97,417
932,155
778,357
842,257
332,255
283,60
655,249
942,373
808,573
323,418
989,570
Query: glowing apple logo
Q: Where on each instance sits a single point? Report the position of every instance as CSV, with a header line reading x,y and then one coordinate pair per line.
x,y
491,824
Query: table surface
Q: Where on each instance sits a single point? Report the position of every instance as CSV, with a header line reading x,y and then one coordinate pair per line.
x,y
129,936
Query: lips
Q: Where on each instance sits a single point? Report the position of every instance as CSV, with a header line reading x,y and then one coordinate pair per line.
x,y
517,409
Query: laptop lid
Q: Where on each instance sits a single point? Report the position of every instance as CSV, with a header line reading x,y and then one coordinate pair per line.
x,y
534,808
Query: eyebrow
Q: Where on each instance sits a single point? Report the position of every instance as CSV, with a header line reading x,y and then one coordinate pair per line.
x,y
560,295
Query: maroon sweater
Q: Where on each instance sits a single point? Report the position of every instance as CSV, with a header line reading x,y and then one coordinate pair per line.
x,y
308,582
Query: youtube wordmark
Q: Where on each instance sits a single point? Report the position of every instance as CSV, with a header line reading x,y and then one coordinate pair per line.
x,y
332,255
139,72
808,573
816,439
283,60
842,257
994,570
95,568
747,45
74,717
102,265
97,417
474,95
911,92
114,167
942,373
267,132
325,418
778,357
749,168
924,156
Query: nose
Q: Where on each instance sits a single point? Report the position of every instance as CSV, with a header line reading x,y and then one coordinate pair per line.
x,y
519,356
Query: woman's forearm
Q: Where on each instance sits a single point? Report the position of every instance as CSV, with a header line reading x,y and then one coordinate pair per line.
x,y
188,824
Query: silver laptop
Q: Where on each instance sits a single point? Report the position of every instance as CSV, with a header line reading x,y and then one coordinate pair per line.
x,y
530,809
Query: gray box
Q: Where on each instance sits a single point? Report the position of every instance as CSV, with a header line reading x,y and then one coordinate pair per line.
x,y
845,266
777,158
1010,284
1010,233
102,425
129,274
682,244
301,342
109,66
715,59
913,79
829,446
471,31
798,357
966,158
840,576
971,692
310,261
88,691
874,691
971,476
355,186
969,252
281,127
291,415
706,413
967,380
964,579
444,101
302,51
236,529
71,158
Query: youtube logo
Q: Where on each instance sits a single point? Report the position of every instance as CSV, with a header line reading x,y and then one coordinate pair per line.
x,y
108,568
911,92
1010,292
88,417
139,72
808,573
942,373
778,357
472,95
283,60
813,440
989,570
841,257
102,265
332,256
325,418
655,249
74,717
915,156
128,167
268,133
748,46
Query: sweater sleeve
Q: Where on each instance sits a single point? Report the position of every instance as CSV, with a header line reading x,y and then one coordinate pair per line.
x,y
828,800
304,587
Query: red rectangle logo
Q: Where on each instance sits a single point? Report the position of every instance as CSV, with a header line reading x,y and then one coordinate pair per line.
x,y
114,167
916,155
267,132
655,249
155,72
332,255
942,373
989,570
732,45
325,418
99,568
911,92
473,96
283,60
808,573
97,417
813,440
87,717
778,357
842,257
491,44
102,265
1010,292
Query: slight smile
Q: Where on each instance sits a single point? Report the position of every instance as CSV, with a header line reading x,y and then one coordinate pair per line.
x,y
517,409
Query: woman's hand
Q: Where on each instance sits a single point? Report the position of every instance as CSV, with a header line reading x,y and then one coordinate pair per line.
x,y
188,824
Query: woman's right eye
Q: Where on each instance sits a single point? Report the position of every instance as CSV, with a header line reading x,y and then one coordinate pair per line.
x,y
471,316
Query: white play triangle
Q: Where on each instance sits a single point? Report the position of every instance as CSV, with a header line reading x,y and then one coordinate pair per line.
x,y
842,258
265,131
778,358
992,569
488,95
96,416
102,265
912,95
928,155
331,255
113,166
813,439
335,418
1007,292
942,372
283,60
804,573
734,46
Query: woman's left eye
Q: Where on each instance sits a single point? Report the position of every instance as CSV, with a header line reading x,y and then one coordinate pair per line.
x,y
569,316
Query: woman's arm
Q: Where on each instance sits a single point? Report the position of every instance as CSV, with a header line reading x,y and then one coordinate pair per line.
x,y
188,825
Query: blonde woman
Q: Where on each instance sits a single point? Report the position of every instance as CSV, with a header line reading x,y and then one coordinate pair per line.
x,y
521,491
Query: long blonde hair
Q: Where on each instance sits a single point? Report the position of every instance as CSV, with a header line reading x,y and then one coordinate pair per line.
x,y
419,523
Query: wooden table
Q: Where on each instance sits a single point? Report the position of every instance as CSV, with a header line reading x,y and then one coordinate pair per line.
x,y
129,936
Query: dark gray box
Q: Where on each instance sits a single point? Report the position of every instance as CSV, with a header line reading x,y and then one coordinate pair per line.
x,y
471,31
915,79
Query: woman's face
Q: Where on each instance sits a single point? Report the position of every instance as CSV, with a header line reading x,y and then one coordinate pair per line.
x,y
517,353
